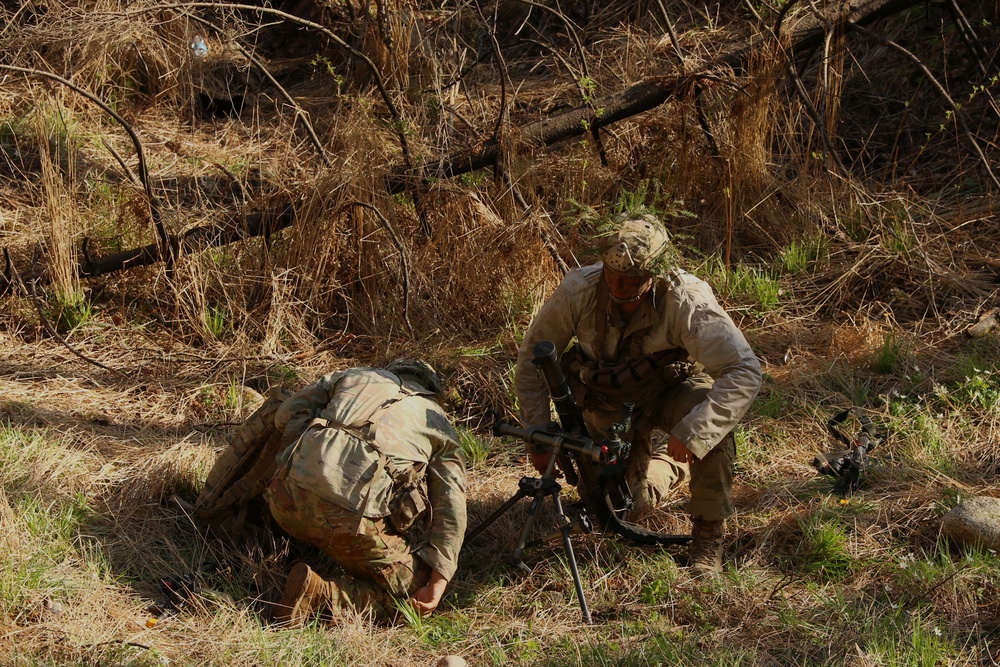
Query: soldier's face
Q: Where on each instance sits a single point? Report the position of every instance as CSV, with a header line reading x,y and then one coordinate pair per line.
x,y
624,287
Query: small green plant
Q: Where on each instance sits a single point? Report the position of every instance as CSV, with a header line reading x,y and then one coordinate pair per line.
x,y
14,133
891,355
647,197
474,448
905,639
745,283
405,199
207,395
856,387
897,239
770,402
324,63
234,397
979,389
823,550
69,310
517,304
215,321
588,86
473,179
436,630
799,257
856,224
655,592
281,375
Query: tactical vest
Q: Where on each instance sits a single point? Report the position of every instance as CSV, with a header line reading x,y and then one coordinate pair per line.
x,y
632,377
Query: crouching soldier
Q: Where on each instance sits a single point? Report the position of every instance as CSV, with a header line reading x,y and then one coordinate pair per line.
x,y
371,474
639,324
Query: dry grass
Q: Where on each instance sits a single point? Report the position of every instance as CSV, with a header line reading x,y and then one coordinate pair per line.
x,y
90,455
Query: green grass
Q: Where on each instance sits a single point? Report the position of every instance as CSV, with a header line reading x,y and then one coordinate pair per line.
x,y
771,401
805,255
892,355
42,521
755,285
824,549
68,310
216,321
475,448
854,388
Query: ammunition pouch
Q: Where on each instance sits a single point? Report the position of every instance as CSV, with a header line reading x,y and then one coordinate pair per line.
x,y
636,379
409,504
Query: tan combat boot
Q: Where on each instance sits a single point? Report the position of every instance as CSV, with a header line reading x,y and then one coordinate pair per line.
x,y
705,550
305,594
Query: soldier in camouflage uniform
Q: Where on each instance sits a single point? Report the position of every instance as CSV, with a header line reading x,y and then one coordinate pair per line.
x,y
373,475
640,327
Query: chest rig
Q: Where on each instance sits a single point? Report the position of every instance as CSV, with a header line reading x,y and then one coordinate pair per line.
x,y
629,377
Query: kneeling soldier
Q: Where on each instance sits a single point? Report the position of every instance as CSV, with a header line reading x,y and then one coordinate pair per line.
x,y
372,474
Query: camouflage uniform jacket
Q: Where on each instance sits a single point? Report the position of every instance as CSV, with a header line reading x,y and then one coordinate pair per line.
x,y
681,312
412,431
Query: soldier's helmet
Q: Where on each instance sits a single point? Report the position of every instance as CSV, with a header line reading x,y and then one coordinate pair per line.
x,y
637,247
419,371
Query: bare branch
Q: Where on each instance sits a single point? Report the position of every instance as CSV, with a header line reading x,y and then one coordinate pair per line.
x,y
955,110
151,200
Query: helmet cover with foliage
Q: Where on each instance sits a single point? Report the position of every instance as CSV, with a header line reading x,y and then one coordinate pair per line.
x,y
419,371
637,247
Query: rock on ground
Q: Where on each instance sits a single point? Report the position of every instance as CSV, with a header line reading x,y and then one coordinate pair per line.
x,y
451,661
975,521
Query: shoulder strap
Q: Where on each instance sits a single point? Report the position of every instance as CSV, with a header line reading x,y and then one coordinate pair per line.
x,y
371,426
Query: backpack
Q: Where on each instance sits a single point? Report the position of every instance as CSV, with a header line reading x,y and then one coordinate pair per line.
x,y
231,506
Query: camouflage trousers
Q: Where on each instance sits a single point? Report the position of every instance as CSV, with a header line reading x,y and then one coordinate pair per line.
x,y
653,473
381,566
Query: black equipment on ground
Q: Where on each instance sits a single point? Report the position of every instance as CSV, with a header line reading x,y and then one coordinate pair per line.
x,y
597,470
849,466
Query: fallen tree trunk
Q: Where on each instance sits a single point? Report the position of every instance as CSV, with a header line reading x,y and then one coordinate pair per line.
x,y
191,241
231,230
643,96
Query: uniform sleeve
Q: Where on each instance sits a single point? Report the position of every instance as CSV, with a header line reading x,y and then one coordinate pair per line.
x,y
295,413
711,338
446,481
556,321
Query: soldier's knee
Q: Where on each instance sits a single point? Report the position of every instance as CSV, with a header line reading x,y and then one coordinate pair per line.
x,y
662,475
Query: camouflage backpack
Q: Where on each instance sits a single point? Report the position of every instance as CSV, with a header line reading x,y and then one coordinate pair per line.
x,y
231,505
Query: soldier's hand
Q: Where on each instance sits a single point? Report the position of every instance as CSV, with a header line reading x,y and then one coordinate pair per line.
x,y
541,463
428,597
678,450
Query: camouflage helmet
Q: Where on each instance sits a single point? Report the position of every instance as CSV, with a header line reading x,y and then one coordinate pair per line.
x,y
419,371
637,246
